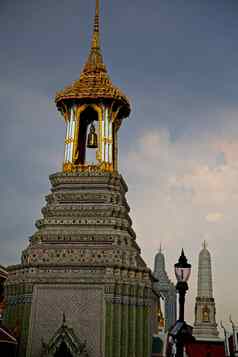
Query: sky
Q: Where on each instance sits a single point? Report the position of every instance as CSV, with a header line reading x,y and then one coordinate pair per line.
x,y
177,62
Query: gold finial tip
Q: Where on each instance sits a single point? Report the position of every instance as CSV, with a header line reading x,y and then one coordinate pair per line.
x,y
96,39
97,7
94,82
96,20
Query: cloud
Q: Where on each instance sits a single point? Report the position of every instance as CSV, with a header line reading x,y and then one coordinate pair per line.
x,y
180,195
214,217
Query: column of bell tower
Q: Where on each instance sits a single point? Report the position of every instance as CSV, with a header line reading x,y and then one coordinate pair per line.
x,y
91,126
83,261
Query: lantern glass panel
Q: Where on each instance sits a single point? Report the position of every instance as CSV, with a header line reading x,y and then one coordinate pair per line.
x,y
182,274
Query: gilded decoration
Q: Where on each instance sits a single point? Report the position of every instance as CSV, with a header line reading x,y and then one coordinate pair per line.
x,y
79,110
104,166
94,82
74,166
205,314
93,89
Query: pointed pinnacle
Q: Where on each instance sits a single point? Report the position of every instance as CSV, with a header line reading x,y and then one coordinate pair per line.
x,y
95,58
64,318
96,20
182,262
96,35
160,248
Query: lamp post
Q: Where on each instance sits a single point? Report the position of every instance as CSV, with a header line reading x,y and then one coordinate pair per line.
x,y
182,272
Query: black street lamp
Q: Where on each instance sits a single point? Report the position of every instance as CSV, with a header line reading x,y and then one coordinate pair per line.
x,y
182,271
181,330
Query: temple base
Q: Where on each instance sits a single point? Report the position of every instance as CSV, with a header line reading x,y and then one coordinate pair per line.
x,y
83,261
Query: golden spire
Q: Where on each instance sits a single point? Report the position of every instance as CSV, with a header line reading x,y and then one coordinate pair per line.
x,y
94,82
96,34
95,59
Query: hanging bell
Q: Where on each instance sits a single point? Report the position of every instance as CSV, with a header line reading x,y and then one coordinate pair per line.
x,y
92,142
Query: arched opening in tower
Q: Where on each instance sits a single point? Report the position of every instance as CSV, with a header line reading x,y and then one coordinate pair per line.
x,y
205,314
88,125
63,351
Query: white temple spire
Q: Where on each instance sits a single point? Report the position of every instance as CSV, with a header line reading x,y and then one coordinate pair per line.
x,y
205,326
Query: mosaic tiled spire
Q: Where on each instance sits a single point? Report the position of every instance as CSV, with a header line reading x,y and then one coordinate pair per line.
x,y
166,289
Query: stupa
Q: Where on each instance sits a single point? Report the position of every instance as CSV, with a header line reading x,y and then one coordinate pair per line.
x,y
167,289
205,326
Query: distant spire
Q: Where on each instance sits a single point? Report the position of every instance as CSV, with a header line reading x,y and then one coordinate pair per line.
x,y
160,248
205,311
204,273
64,319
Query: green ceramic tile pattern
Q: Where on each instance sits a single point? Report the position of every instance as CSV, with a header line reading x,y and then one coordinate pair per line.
x,y
139,331
124,330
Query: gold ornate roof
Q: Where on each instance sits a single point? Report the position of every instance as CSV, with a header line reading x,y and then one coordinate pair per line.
x,y
94,82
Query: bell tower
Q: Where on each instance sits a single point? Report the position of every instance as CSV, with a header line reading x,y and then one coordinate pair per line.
x,y
93,110
83,260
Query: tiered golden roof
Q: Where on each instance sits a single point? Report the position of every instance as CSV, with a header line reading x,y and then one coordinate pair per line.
x,y
94,82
